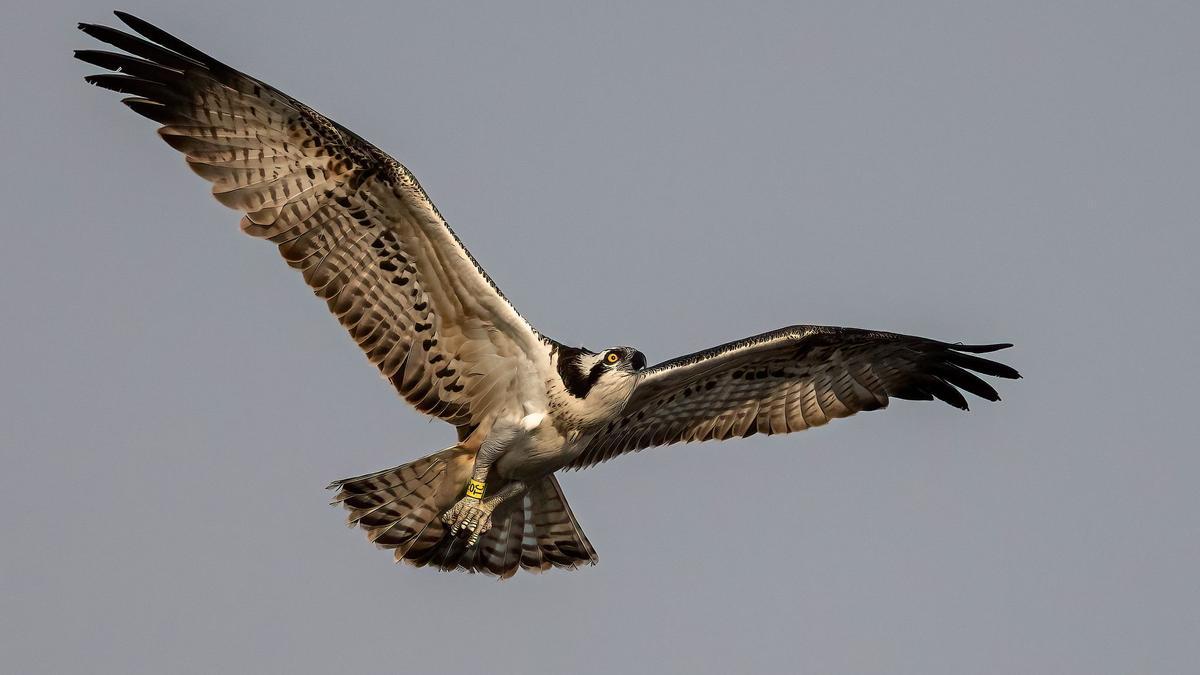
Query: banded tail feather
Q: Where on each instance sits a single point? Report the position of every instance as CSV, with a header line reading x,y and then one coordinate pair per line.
x,y
400,509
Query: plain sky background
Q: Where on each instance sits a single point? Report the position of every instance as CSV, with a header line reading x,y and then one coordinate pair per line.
x,y
665,175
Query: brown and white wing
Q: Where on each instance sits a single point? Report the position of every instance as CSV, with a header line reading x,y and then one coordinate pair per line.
x,y
788,380
354,221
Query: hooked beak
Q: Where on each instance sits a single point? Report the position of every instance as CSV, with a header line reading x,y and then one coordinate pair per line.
x,y
638,361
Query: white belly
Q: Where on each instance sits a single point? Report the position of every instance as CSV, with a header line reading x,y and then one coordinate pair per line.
x,y
538,449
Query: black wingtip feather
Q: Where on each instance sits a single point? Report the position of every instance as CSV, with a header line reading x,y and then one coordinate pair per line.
x,y
980,349
152,110
127,84
132,66
945,392
985,366
946,368
165,39
912,392
141,48
967,381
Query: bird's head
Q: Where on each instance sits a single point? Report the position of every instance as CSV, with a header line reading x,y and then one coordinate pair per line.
x,y
609,374
622,360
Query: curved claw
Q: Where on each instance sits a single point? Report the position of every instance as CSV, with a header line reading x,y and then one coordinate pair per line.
x,y
457,515
469,515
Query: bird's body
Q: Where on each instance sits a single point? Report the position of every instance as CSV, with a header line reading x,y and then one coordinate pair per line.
x,y
369,242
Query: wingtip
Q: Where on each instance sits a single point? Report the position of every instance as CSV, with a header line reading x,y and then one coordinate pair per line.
x,y
1009,374
131,20
94,57
980,349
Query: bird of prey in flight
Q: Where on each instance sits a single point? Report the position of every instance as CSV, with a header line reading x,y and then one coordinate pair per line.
x,y
368,241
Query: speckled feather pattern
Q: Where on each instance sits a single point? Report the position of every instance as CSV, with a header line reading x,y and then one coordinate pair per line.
x,y
351,219
788,380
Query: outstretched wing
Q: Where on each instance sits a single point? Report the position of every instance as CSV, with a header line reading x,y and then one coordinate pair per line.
x,y
353,220
788,380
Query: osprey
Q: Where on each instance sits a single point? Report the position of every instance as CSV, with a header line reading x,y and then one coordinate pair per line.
x,y
369,242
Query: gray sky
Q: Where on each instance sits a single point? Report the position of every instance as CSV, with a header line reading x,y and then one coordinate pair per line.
x,y
669,177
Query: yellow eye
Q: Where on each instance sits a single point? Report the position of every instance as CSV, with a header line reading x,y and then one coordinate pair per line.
x,y
612,358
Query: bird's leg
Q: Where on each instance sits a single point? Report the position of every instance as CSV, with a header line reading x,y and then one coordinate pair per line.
x,y
471,508
477,519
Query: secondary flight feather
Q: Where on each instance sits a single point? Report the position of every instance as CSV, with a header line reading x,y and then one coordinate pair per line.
x,y
368,241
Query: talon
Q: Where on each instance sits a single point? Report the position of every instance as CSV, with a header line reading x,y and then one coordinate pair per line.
x,y
472,517
461,515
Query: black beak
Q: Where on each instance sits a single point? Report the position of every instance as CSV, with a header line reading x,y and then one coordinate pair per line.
x,y
638,361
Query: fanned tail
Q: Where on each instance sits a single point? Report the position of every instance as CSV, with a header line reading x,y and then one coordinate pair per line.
x,y
400,509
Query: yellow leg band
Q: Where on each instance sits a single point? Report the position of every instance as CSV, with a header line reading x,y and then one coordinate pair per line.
x,y
475,489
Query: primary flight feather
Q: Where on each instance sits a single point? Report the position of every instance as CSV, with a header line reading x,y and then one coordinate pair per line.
x,y
369,242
